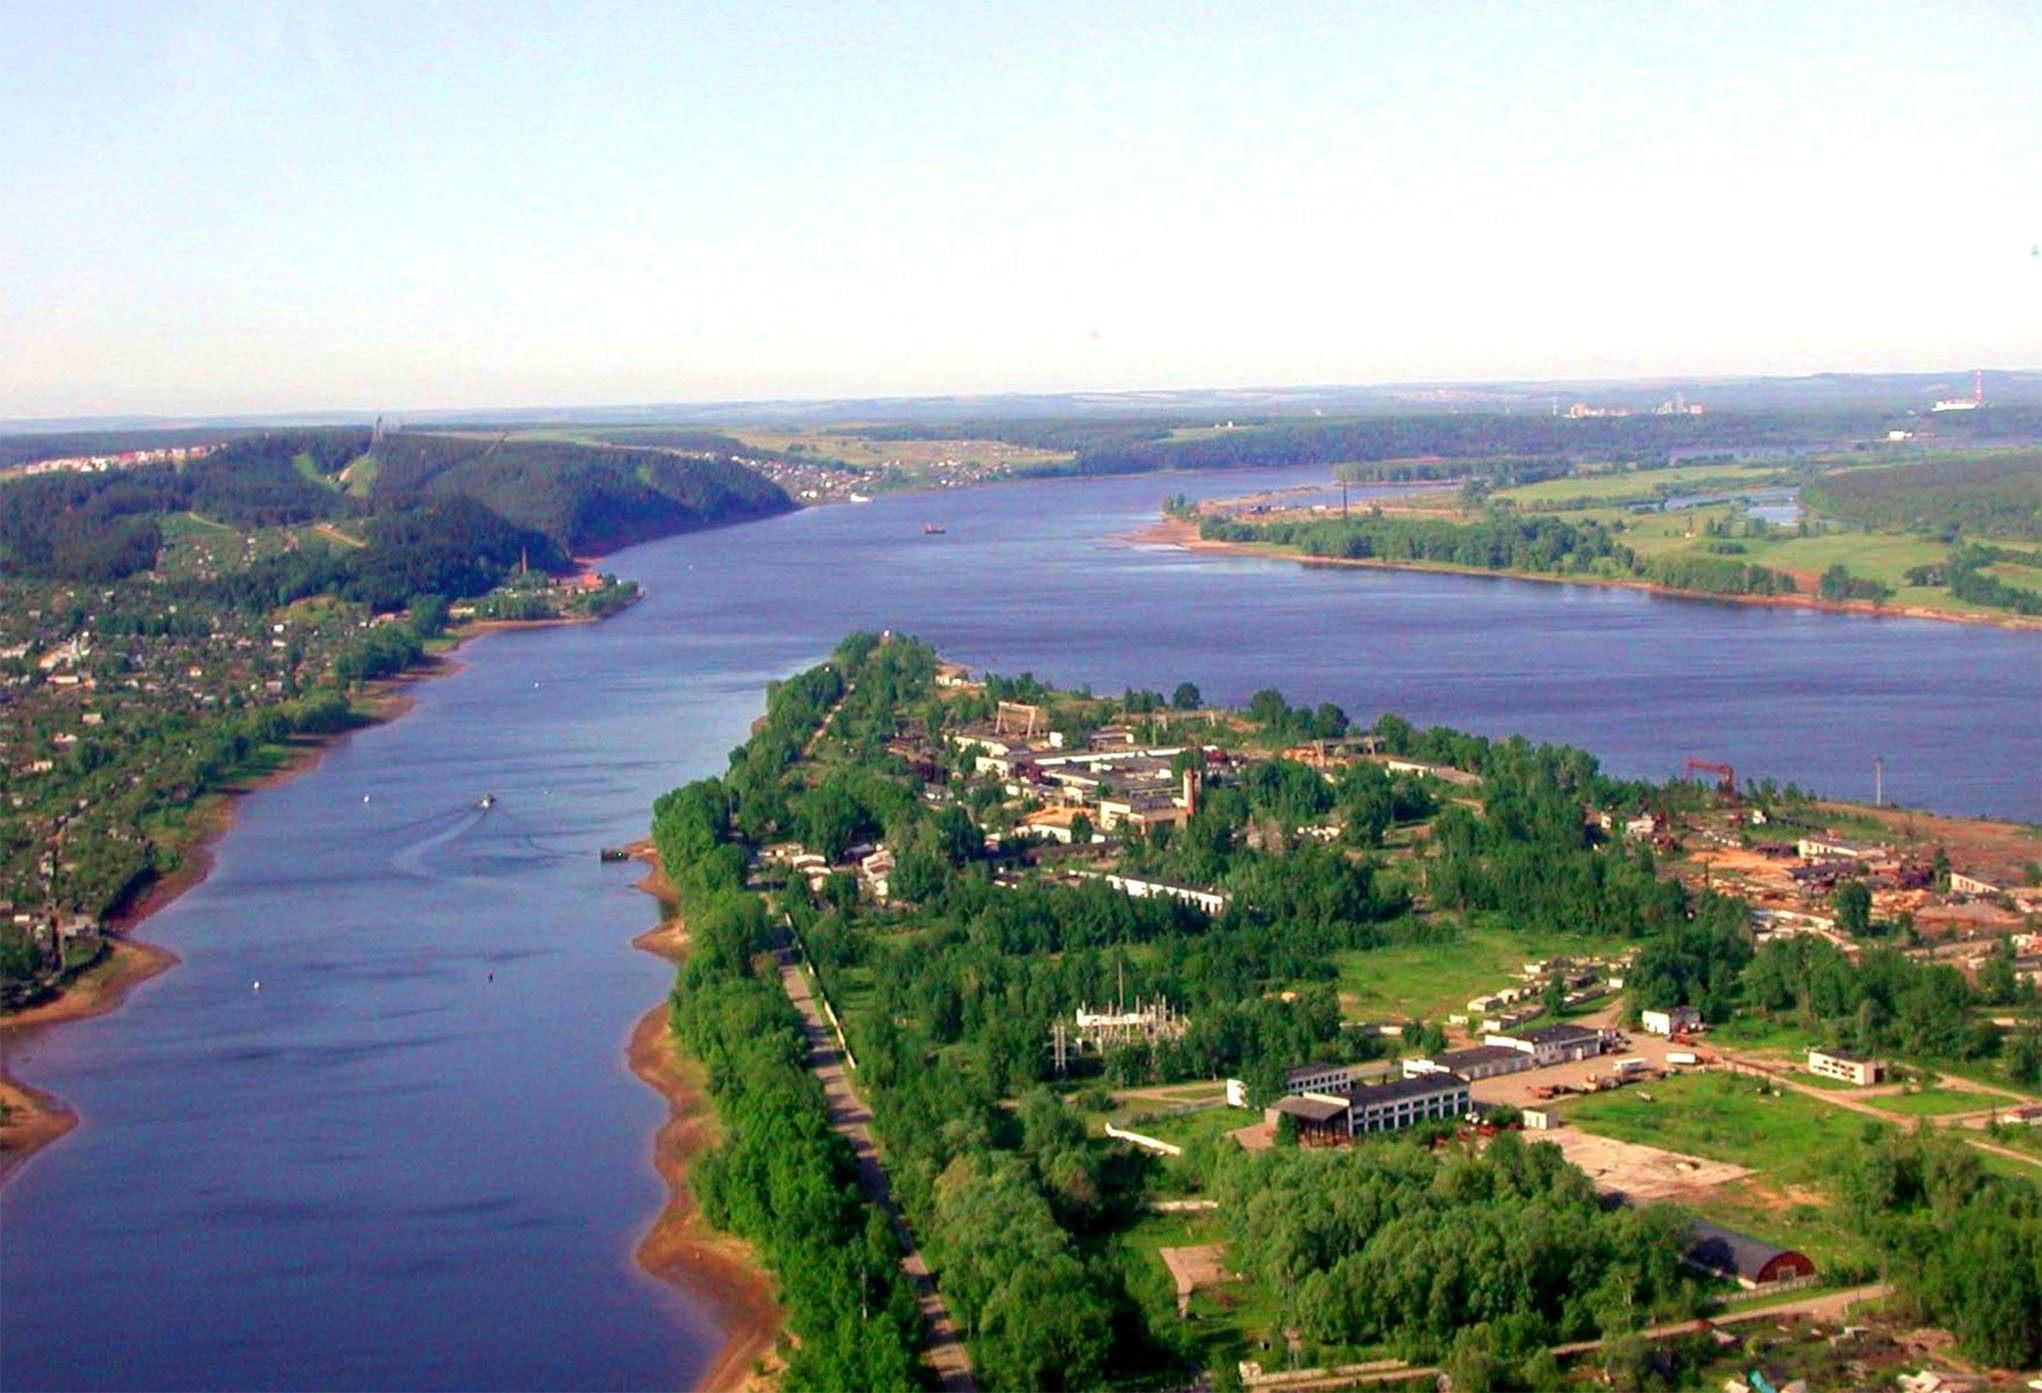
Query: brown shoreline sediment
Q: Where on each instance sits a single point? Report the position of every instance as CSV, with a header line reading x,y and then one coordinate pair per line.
x,y
1174,532
679,1247
35,1118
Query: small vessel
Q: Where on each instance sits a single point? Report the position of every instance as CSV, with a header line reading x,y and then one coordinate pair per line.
x,y
487,800
932,529
859,498
614,853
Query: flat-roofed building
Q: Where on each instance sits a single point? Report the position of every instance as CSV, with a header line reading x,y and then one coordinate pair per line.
x,y
1838,849
1552,1044
1320,1118
1674,1020
1317,1078
1846,1065
1475,1062
1401,1103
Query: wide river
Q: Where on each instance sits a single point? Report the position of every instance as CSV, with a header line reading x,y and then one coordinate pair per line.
x,y
414,1157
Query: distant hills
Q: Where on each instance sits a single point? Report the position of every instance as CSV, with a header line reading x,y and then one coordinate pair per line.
x,y
1900,392
429,504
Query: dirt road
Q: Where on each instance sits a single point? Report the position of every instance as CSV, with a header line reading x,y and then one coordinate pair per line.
x,y
945,1351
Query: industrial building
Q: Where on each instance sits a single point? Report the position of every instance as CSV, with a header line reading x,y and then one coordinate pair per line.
x,y
1553,1044
1750,1262
1674,1020
1850,1067
1474,1063
1317,1078
1374,1107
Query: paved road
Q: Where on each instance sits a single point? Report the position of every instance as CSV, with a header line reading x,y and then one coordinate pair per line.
x,y
944,1348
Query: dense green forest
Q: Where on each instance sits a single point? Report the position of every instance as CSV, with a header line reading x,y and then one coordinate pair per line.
x,y
586,497
1483,1258
443,514
101,526
1970,497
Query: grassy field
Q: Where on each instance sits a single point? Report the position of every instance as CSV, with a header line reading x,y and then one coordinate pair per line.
x,y
1430,981
1883,556
1793,1139
1185,1129
1794,1144
1618,486
1937,1102
1808,1223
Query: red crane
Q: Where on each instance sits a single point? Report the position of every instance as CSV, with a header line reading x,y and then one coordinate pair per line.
x,y
1726,777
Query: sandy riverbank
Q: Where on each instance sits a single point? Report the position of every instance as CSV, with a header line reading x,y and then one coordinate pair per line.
x,y
1176,532
35,1118
680,1248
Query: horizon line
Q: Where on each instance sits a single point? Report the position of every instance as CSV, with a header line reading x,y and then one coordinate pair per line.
x,y
138,420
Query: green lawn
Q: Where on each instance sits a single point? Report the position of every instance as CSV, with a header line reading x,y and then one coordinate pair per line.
x,y
1185,1129
1936,1102
1791,1138
1644,484
1882,556
1426,981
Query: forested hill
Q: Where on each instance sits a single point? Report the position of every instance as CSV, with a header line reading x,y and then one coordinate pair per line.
x,y
588,498
454,497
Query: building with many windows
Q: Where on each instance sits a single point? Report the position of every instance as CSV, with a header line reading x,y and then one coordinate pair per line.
x,y
1322,1118
1859,1069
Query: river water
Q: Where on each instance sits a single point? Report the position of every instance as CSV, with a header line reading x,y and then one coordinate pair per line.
x,y
414,1157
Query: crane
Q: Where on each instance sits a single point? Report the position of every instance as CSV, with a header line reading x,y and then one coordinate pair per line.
x,y
1726,777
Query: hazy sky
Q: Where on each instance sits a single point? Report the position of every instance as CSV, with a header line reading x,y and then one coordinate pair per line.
x,y
213,208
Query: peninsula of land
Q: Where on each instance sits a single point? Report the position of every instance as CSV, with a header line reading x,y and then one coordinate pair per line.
x,y
1125,1010
1185,535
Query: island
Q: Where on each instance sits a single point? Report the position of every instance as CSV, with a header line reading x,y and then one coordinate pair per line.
x,y
1067,1040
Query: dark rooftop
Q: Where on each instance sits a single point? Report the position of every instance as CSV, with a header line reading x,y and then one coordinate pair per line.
x,y
1305,1071
1475,1054
1422,1086
1556,1035
1729,1252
